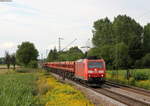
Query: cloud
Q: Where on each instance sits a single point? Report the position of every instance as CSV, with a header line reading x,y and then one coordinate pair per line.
x,y
7,45
17,13
42,22
51,46
16,5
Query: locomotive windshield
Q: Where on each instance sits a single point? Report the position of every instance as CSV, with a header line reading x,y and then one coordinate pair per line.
x,y
95,65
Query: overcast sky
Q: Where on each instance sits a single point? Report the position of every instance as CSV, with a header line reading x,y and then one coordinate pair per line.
x,y
43,21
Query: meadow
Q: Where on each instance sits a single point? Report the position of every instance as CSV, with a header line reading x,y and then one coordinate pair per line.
x,y
135,77
17,89
28,87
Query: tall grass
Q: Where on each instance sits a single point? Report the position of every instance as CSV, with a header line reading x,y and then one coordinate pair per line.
x,y
138,77
17,89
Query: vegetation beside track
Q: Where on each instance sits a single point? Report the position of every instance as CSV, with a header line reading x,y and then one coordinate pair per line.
x,y
137,77
54,93
32,87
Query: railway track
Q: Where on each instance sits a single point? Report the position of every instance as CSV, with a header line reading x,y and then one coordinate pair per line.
x,y
129,88
127,100
131,96
121,98
124,99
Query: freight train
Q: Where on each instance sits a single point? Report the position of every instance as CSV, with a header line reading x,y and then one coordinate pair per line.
x,y
91,71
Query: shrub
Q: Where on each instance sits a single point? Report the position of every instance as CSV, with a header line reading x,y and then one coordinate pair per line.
x,y
25,70
22,70
132,81
33,64
146,60
139,64
143,84
141,76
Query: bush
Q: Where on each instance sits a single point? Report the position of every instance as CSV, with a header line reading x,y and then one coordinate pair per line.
x,y
22,70
143,84
141,76
139,64
132,81
146,60
33,64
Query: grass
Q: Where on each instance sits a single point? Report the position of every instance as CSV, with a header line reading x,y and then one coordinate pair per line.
x,y
5,66
121,77
32,87
17,89
5,71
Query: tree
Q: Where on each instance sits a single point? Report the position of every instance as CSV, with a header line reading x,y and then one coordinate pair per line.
x,y
120,55
53,55
94,52
50,56
128,31
102,33
2,60
63,56
26,52
13,61
74,53
7,59
146,60
107,54
124,33
33,64
146,41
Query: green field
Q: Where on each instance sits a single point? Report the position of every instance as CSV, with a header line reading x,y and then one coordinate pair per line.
x,y
5,66
135,77
28,87
17,89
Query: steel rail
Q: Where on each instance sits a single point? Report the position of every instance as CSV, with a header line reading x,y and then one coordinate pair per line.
x,y
116,96
121,98
129,88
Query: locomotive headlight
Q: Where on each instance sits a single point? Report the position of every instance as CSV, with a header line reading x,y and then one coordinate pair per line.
x,y
90,71
102,75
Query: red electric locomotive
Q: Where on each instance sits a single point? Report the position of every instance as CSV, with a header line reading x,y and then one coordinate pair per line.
x,y
87,70
91,71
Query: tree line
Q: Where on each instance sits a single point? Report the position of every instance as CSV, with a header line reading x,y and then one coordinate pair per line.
x,y
26,55
122,43
9,60
74,53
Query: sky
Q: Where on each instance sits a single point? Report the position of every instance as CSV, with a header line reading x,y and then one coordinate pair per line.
x,y
42,22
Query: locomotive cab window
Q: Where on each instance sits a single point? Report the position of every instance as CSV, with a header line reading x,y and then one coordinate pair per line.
x,y
95,65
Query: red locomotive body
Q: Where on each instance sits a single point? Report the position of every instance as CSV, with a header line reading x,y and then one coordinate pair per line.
x,y
88,70
92,71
